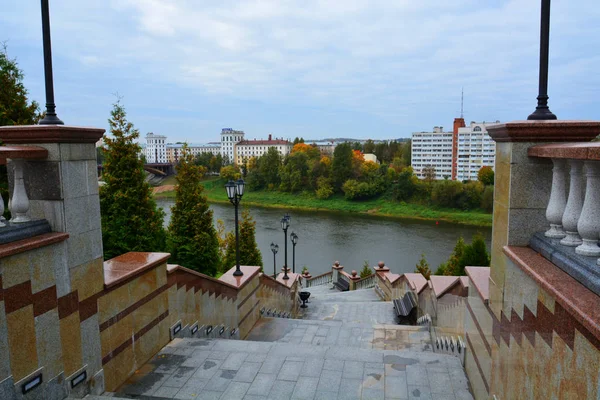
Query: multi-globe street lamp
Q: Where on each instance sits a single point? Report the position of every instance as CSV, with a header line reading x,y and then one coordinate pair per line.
x,y
285,224
294,238
235,191
274,249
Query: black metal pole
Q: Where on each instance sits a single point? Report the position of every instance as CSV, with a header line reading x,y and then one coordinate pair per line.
x,y
274,266
542,112
285,275
238,271
50,118
293,257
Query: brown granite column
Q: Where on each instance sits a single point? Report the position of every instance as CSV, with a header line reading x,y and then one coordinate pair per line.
x,y
522,186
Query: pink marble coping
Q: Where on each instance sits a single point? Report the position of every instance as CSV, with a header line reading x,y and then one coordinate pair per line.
x,y
464,281
175,267
441,283
288,282
25,152
417,281
49,134
480,276
125,266
575,298
240,281
577,151
545,131
23,245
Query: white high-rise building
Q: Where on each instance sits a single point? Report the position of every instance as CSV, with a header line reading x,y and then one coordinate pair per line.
x,y
458,155
432,149
156,149
229,138
476,149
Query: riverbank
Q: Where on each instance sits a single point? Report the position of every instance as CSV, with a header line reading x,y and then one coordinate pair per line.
x,y
215,193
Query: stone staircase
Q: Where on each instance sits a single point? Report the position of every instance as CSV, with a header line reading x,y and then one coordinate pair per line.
x,y
346,347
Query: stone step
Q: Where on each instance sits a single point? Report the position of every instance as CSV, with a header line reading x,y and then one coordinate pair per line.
x,y
233,369
327,333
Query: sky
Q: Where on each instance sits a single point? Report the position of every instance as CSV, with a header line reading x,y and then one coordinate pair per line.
x,y
376,69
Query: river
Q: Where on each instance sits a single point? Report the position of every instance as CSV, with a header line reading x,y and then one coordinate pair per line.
x,y
348,237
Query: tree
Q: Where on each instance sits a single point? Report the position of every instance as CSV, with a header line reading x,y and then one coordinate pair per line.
x,y
230,173
15,108
131,221
446,193
193,240
406,186
249,252
487,199
369,146
324,188
423,267
453,265
474,255
366,270
486,175
342,164
429,173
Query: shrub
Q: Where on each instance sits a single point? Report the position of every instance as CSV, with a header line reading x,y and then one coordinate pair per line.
x,y
423,267
446,193
487,199
366,270
324,188
230,173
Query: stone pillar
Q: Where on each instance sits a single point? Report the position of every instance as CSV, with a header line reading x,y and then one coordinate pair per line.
x,y
353,278
381,267
64,190
522,187
336,268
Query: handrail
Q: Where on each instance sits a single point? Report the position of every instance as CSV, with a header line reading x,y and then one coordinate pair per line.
x,y
322,279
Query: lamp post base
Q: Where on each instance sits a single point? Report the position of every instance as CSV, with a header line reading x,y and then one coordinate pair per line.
x,y
238,272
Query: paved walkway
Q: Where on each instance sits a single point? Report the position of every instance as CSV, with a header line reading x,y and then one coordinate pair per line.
x,y
348,346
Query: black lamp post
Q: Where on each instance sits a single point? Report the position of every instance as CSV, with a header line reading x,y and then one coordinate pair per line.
x,y
285,224
235,191
542,112
50,118
274,249
294,238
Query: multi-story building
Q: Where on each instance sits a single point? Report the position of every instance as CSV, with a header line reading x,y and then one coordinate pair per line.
x,y
432,149
174,150
156,149
247,149
457,155
229,138
476,149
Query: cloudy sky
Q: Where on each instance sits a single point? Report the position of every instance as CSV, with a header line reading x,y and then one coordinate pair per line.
x,y
312,68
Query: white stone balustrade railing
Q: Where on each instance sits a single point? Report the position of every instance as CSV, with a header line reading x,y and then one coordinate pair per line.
x,y
323,279
365,283
573,211
18,203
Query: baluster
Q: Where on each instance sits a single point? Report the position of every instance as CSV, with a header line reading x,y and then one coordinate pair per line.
x,y
574,205
20,201
2,219
558,200
589,221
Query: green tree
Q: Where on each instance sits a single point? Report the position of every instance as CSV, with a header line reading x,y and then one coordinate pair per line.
x,y
486,175
406,186
446,193
15,107
369,146
294,172
342,164
193,240
366,270
249,252
324,188
268,167
131,221
487,199
423,267
453,265
475,255
230,173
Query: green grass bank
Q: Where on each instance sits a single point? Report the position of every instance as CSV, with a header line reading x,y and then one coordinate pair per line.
x,y
215,192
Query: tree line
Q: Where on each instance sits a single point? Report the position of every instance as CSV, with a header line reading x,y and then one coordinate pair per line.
x,y
132,221
346,173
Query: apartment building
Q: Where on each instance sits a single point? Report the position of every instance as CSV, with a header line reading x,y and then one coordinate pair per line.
x,y
432,149
174,150
247,149
156,149
457,155
229,138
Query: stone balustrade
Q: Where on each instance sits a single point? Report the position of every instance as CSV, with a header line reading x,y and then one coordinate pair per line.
x,y
15,157
573,211
323,279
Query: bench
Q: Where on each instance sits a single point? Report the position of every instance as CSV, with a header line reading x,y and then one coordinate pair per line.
x,y
342,285
403,306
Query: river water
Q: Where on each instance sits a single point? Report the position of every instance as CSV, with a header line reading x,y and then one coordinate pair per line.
x,y
348,237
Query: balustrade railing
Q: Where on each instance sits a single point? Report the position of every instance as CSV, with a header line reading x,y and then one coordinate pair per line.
x,y
323,279
366,282
18,202
574,214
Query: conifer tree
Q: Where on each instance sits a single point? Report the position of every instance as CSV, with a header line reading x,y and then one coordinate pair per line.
x,y
423,267
193,240
249,252
131,221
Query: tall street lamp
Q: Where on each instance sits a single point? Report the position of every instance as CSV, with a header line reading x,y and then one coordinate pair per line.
x,y
274,249
285,224
542,112
235,191
50,118
294,238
